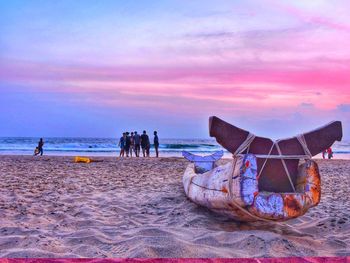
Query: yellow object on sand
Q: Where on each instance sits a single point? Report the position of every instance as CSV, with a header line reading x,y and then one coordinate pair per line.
x,y
78,159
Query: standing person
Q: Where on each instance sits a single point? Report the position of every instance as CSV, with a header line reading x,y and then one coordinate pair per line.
x,y
324,154
132,144
137,141
127,144
39,149
156,143
145,144
330,153
121,144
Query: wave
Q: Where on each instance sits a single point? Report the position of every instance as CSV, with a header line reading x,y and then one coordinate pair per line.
x,y
182,146
101,146
193,149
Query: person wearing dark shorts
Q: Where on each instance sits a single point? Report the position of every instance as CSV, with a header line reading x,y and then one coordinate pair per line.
x,y
121,144
127,144
156,143
132,144
145,144
137,141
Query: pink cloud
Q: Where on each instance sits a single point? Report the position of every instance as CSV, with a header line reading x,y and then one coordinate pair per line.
x,y
311,17
208,88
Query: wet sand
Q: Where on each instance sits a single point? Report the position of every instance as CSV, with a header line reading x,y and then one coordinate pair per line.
x,y
52,207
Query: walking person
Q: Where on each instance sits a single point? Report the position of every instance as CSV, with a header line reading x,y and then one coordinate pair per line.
x,y
137,141
145,144
324,154
330,153
39,149
156,143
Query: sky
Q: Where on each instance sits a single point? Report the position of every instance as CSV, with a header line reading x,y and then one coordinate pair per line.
x,y
95,68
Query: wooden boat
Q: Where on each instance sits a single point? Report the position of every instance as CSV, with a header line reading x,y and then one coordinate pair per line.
x,y
264,181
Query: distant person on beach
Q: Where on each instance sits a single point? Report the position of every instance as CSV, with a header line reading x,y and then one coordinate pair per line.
x,y
330,153
324,154
132,144
156,143
39,149
145,144
137,141
127,144
121,144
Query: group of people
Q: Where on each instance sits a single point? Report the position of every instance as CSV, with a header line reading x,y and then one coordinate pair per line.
x,y
329,153
132,142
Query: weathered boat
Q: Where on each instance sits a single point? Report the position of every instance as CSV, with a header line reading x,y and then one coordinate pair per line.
x,y
265,180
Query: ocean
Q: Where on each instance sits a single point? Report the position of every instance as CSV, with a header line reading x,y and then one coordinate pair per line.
x,y
109,147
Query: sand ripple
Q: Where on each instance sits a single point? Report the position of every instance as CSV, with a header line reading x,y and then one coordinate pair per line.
x,y
51,207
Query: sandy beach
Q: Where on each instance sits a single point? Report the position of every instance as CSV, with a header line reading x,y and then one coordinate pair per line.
x,y
52,207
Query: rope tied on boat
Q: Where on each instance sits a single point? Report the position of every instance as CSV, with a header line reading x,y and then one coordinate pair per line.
x,y
303,144
245,145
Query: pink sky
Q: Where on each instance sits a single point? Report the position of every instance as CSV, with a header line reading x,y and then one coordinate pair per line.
x,y
276,69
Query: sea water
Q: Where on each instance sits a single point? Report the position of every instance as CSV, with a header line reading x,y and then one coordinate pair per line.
x,y
109,147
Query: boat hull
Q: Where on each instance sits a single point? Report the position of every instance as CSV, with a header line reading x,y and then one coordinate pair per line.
x,y
232,189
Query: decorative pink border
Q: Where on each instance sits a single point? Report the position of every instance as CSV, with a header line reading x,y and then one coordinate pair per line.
x,y
181,260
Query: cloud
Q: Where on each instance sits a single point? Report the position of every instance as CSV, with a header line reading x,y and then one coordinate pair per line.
x,y
262,87
344,107
235,59
311,17
306,105
232,73
257,33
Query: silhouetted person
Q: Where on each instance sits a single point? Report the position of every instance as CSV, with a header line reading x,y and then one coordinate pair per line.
x,y
39,149
137,143
156,143
127,144
121,144
330,153
132,144
145,144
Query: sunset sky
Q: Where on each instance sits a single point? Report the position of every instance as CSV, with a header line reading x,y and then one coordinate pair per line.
x,y
95,68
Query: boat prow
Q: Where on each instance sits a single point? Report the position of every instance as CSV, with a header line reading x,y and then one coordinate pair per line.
x,y
232,190
265,180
